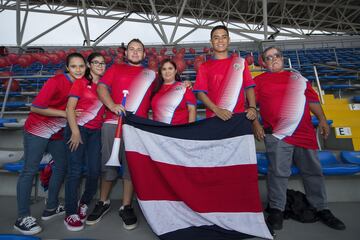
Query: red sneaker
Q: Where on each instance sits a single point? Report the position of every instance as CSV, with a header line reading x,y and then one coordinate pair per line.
x,y
73,223
82,212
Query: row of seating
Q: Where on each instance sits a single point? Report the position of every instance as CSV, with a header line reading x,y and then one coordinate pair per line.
x,y
348,164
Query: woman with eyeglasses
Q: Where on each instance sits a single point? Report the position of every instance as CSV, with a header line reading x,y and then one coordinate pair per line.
x,y
83,136
172,102
43,133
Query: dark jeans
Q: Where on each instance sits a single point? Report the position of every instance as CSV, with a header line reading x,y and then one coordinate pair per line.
x,y
87,157
34,148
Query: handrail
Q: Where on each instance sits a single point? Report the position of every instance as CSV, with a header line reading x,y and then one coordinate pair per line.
x,y
319,85
337,67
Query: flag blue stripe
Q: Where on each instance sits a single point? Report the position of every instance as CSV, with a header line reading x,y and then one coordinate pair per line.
x,y
207,129
204,233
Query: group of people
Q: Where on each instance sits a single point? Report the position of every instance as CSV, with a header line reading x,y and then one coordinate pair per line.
x,y
75,114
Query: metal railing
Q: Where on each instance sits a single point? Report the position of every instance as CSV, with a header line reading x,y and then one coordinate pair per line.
x,y
18,78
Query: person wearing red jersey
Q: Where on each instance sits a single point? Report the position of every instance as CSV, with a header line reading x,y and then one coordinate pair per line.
x,y
222,82
83,136
172,103
131,76
42,132
286,99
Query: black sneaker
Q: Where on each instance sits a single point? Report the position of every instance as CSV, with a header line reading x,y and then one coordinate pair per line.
x,y
275,219
330,220
99,211
27,225
128,216
48,214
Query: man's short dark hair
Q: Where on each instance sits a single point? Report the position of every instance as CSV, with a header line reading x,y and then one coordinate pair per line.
x,y
263,54
217,28
137,41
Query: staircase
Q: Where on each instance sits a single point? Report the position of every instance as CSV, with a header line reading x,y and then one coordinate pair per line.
x,y
346,121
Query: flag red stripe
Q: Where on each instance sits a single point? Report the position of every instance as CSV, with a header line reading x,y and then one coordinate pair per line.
x,y
215,189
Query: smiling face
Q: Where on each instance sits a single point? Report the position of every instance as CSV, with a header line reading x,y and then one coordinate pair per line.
x,y
274,60
220,41
97,66
135,53
168,72
76,68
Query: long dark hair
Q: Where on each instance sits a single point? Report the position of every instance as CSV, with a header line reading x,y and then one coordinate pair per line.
x,y
160,79
71,56
88,75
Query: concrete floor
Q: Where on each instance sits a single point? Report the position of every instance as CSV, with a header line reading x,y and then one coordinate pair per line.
x,y
111,226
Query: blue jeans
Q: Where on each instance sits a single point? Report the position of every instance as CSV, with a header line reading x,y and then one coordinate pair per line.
x,y
34,148
87,154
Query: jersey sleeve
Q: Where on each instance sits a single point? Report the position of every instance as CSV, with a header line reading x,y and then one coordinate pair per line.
x,y
190,97
310,94
49,90
201,82
77,89
247,78
108,77
257,88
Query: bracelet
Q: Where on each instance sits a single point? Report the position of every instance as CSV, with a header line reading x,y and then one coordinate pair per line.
x,y
253,108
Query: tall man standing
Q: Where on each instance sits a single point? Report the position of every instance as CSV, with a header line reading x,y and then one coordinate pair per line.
x,y
139,81
223,81
286,99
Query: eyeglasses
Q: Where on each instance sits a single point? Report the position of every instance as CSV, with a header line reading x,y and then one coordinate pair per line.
x,y
98,64
135,50
273,57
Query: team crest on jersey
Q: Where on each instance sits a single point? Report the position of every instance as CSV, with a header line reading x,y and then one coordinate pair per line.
x,y
294,77
237,66
146,73
178,88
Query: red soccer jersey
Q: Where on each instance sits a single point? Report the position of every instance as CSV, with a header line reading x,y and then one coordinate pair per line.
x,y
88,101
139,81
53,94
170,104
284,99
224,81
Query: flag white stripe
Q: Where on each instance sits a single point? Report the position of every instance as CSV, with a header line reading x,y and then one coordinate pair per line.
x,y
191,153
168,216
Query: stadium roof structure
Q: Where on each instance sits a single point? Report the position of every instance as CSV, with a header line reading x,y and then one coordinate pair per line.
x,y
256,20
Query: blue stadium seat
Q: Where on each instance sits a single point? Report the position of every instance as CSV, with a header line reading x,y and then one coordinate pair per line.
x,y
11,94
7,120
18,166
263,162
16,104
315,121
356,99
18,237
337,87
331,166
352,157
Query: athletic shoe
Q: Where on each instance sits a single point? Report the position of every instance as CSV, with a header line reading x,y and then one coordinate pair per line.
x,y
275,219
128,216
82,211
27,225
100,209
330,220
73,223
48,214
